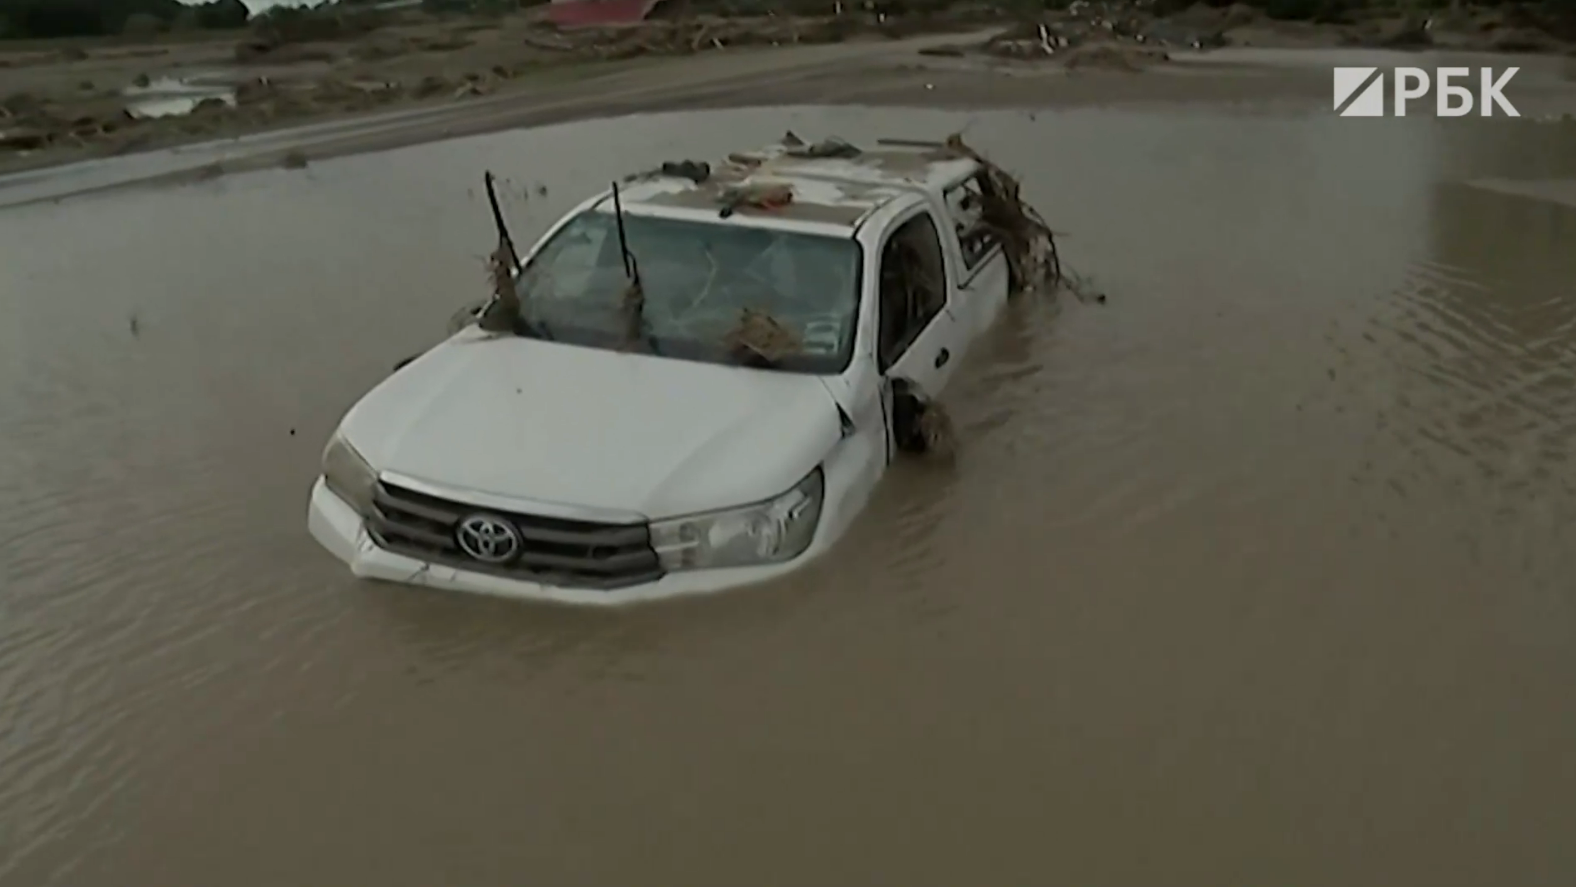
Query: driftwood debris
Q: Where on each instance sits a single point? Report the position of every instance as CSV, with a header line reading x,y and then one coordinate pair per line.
x,y
759,337
936,430
697,171
1028,241
633,309
755,196
503,312
921,425
833,148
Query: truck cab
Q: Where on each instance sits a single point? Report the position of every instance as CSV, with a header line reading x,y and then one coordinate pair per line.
x,y
558,464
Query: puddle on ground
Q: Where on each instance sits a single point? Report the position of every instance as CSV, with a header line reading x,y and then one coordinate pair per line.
x,y
174,97
1258,573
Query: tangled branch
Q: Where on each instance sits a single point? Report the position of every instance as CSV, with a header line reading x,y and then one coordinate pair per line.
x,y
936,430
503,312
633,309
1028,241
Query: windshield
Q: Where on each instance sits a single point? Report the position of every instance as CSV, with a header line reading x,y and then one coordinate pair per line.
x,y
698,278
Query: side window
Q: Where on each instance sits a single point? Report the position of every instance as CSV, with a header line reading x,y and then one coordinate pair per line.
x,y
913,286
965,204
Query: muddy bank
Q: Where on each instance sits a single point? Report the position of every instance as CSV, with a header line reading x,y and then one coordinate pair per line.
x,y
71,102
886,74
1128,36
76,101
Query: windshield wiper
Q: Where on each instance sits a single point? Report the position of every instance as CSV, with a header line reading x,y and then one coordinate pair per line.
x,y
503,314
505,242
634,304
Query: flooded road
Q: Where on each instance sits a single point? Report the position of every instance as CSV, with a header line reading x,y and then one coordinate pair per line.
x,y
1261,573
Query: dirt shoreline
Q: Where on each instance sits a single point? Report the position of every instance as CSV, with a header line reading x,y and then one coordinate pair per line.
x,y
891,75
70,101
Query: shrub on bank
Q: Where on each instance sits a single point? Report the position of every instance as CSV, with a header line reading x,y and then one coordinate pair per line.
x,y
143,24
33,19
297,24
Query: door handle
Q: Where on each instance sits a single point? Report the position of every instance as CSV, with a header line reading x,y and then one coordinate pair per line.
x,y
942,358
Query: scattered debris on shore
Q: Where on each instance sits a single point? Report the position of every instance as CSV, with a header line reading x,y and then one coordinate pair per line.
x,y
1133,35
692,35
317,64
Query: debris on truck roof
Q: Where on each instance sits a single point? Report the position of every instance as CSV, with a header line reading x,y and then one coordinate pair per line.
x,y
835,183
755,196
831,182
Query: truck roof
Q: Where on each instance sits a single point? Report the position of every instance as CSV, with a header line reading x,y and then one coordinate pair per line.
x,y
830,194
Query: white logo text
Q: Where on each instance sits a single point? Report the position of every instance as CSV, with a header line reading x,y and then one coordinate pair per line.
x,y
1359,92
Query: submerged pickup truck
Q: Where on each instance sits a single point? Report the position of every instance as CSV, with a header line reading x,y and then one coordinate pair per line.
x,y
560,462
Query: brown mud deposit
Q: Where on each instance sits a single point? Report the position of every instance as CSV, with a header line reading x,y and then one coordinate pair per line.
x,y
69,101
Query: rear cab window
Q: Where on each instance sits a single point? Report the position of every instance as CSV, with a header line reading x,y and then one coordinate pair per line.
x,y
964,212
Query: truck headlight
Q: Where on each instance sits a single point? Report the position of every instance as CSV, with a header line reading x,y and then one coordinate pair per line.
x,y
769,532
348,475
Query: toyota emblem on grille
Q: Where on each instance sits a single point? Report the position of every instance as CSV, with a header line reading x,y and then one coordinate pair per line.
x,y
489,539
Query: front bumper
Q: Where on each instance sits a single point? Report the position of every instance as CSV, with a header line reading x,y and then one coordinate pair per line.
x,y
338,528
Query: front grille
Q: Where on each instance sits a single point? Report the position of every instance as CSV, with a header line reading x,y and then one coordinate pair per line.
x,y
553,551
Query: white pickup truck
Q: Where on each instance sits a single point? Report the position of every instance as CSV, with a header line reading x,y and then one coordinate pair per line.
x,y
557,463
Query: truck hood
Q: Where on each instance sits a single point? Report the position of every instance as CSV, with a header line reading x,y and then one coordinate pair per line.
x,y
563,424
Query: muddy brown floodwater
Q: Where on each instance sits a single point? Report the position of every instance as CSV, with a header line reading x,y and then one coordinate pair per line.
x,y
1260,573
